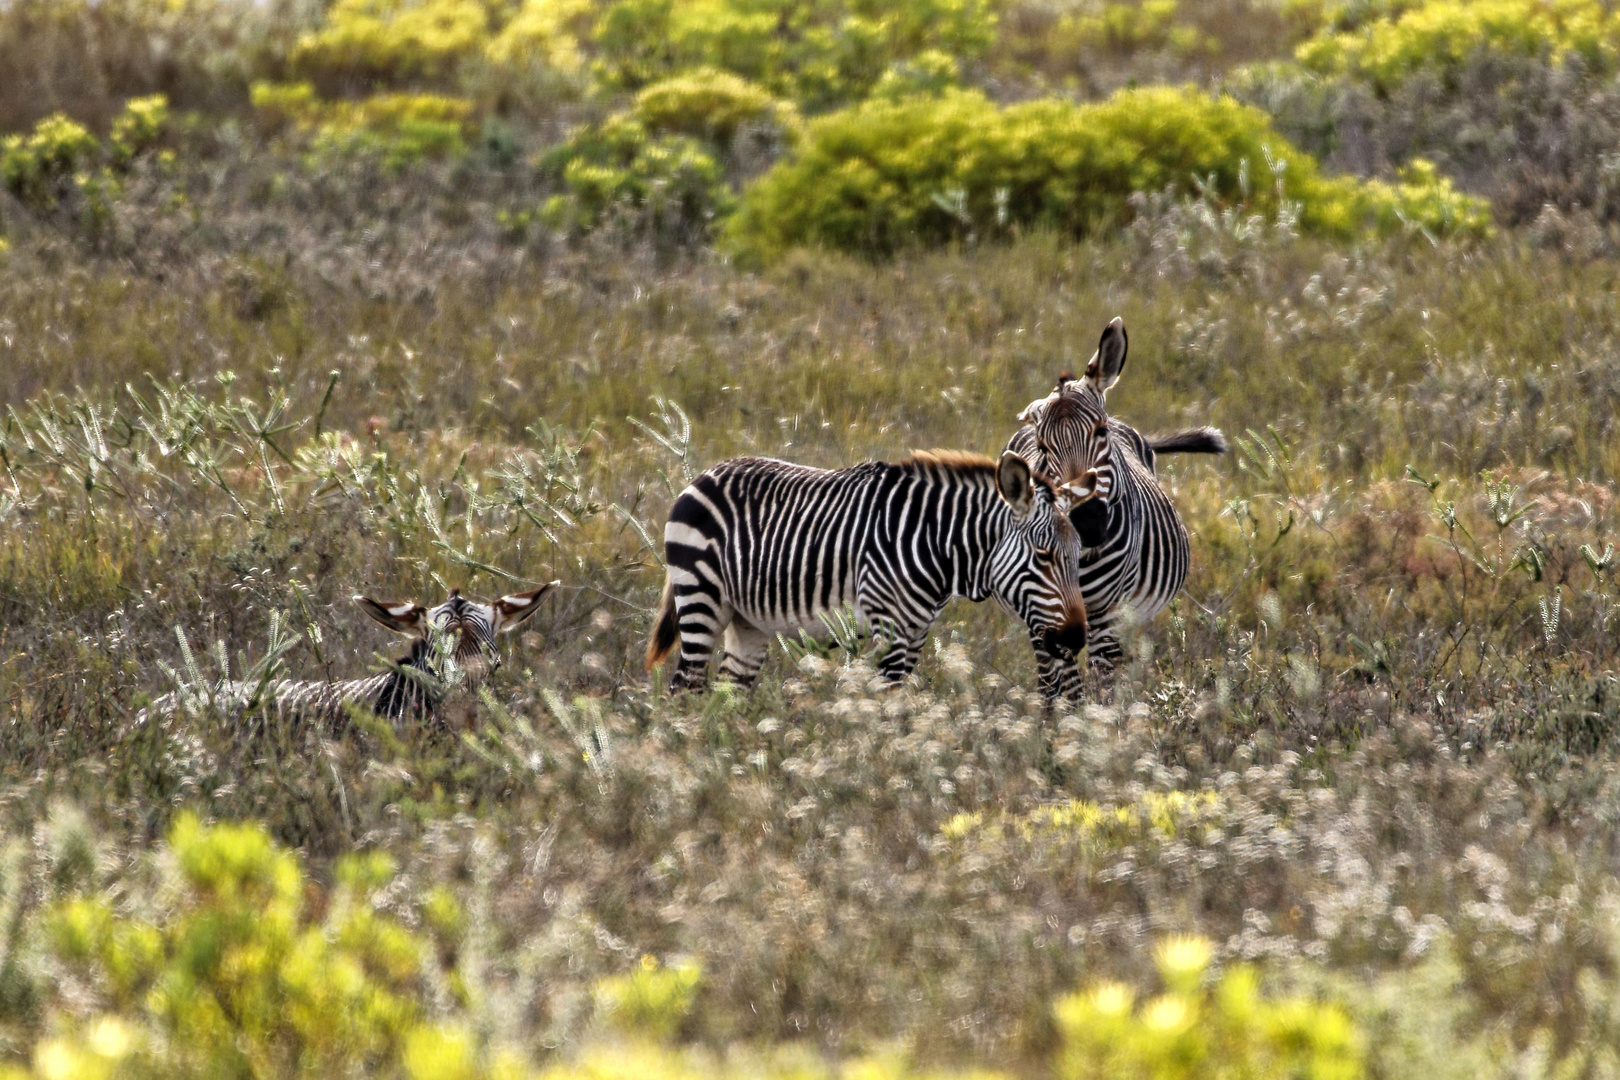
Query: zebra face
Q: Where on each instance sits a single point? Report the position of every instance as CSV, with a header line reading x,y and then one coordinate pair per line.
x,y
1072,430
461,632
1035,568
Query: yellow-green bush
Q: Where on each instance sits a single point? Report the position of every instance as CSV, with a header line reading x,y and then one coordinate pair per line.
x,y
1197,1029
249,970
32,165
1440,35
709,104
402,128
669,185
652,1000
393,40
884,175
813,54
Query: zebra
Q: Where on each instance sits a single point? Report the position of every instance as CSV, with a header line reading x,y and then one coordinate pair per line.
x,y
757,547
450,644
1135,550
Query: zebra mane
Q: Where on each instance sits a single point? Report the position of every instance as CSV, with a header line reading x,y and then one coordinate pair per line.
x,y
955,460
969,463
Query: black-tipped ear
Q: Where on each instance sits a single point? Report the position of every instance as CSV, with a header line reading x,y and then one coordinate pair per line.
x,y
400,618
1016,484
1090,520
1103,371
512,610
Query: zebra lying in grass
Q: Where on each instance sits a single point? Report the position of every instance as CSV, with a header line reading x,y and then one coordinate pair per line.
x,y
451,644
758,547
1135,549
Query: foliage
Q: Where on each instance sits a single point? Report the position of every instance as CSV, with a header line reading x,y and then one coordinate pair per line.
x,y
926,171
392,41
1194,1030
665,186
1440,35
652,1000
247,971
34,166
710,105
400,129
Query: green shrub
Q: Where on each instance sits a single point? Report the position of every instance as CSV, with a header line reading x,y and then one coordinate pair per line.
x,y
652,1000
391,41
884,175
817,55
401,128
249,970
711,105
1197,1029
1440,35
35,165
617,171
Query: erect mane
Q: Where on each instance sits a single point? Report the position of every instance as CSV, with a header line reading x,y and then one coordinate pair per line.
x,y
963,461
959,460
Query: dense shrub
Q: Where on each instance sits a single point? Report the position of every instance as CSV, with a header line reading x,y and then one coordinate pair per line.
x,y
926,171
1201,1027
363,42
1439,36
712,105
401,129
665,187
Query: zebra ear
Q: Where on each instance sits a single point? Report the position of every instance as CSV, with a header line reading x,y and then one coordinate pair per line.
x,y
404,618
1103,371
1015,484
512,610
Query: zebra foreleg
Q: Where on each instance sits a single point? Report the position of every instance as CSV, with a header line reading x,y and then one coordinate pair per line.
x,y
746,647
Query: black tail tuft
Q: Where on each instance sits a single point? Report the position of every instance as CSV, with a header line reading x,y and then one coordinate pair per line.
x,y
1200,440
667,631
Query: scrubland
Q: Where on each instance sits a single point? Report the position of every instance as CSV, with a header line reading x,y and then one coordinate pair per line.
x,y
387,314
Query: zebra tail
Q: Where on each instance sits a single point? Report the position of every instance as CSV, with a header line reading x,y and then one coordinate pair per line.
x,y
667,631
1199,440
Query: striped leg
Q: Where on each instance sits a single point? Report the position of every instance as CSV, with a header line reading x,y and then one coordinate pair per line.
x,y
745,652
702,616
1059,678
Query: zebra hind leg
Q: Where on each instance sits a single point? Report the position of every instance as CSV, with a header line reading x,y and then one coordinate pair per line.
x,y
746,647
701,616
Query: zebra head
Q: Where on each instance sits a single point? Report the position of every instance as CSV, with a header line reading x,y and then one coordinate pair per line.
x,y
459,633
1035,568
1072,432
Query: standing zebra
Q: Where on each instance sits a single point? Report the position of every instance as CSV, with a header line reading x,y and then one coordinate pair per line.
x,y
757,547
413,689
1135,549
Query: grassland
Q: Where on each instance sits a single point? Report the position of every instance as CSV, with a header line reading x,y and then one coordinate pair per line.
x,y
1371,750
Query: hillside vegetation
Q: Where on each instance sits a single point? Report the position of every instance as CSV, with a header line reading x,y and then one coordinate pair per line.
x,y
303,300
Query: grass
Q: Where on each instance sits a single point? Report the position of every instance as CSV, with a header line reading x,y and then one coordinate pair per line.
x,y
1391,679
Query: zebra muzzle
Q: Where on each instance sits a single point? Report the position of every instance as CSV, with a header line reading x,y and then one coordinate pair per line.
x,y
1066,641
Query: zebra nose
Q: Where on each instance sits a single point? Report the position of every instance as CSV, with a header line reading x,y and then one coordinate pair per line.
x,y
1067,639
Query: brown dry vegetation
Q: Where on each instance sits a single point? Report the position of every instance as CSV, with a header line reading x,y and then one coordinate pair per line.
x,y
1373,746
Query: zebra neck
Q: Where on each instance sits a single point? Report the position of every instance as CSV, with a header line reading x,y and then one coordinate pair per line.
x,y
962,540
402,693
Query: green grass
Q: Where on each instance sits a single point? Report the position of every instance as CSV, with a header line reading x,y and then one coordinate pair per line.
x,y
1394,734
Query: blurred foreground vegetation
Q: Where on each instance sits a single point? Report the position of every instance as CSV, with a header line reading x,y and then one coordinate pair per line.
x,y
300,300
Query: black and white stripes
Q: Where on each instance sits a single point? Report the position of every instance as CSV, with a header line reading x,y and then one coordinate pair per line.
x,y
757,547
452,643
1135,549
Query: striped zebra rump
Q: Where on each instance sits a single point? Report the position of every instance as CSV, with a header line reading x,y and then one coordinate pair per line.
x,y
756,547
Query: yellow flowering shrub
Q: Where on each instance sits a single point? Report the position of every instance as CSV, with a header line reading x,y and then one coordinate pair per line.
x,y
393,40
401,128
923,171
32,165
1202,1027
549,32
709,104
1440,35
